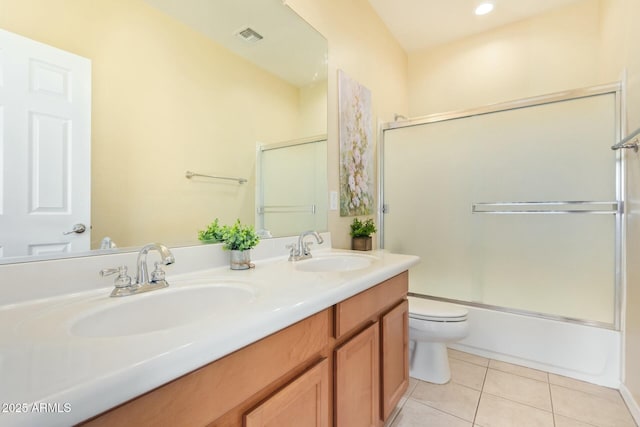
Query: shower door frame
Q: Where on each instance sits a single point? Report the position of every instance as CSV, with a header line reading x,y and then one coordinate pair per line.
x,y
616,89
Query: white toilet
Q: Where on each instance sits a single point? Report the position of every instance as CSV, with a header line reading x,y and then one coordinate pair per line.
x,y
433,324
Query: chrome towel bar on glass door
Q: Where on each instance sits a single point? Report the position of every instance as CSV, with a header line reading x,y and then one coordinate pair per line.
x,y
287,209
564,207
190,175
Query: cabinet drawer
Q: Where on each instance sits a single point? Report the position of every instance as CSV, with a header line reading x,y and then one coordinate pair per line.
x,y
368,304
303,402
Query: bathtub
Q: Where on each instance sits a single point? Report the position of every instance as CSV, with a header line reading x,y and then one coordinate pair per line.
x,y
578,351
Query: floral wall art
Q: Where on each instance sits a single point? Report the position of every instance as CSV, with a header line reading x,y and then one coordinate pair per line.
x,y
356,147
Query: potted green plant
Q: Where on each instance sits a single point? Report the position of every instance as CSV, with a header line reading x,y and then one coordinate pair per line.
x,y
361,232
212,234
239,240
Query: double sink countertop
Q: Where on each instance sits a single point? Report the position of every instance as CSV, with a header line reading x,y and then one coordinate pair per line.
x,y
66,358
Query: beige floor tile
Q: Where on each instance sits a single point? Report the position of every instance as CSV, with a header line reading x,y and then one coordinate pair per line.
x,y
467,374
412,384
589,408
569,422
403,400
452,398
468,357
596,390
519,370
416,414
498,412
520,389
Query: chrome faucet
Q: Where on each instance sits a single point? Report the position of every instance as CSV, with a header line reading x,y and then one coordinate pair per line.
x,y
142,274
302,250
125,286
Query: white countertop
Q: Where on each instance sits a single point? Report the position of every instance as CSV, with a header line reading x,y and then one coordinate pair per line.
x,y
61,379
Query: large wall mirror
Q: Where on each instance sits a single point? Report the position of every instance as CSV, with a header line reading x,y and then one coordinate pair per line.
x,y
175,86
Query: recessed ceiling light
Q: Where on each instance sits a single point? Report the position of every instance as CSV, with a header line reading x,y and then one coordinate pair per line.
x,y
484,8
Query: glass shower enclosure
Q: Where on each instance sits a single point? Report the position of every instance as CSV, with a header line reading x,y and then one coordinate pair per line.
x,y
516,207
291,191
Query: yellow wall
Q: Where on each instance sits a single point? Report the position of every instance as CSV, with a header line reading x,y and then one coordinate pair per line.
x,y
548,53
361,45
165,100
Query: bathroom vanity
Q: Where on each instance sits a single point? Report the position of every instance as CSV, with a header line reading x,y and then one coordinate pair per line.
x,y
347,362
317,342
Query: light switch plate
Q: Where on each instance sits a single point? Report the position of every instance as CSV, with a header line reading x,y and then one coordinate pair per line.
x,y
333,200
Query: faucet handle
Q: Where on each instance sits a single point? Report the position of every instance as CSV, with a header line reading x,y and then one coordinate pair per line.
x,y
158,274
123,280
293,251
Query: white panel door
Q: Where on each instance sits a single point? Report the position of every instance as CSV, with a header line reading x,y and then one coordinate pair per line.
x,y
45,153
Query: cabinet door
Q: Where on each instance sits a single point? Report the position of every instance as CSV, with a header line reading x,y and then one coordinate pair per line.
x,y
395,357
303,402
357,380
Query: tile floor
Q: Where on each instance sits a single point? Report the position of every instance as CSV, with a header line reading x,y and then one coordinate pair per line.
x,y
489,393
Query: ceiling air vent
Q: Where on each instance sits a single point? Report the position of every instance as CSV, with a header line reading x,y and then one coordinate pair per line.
x,y
249,35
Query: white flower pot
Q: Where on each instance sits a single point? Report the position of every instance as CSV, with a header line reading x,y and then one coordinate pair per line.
x,y
241,260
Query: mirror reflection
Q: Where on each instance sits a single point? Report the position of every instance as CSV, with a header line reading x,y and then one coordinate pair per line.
x,y
294,201
171,86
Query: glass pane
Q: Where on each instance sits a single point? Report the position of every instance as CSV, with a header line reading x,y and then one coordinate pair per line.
x,y
427,188
556,264
294,189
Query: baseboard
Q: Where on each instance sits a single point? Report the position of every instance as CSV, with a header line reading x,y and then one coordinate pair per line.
x,y
633,406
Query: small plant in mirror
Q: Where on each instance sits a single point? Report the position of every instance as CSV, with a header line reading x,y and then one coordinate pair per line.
x,y
213,233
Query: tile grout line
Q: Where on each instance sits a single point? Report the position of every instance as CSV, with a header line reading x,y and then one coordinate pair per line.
x,y
553,411
484,379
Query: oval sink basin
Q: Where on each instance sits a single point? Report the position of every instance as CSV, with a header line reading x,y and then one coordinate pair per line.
x,y
159,310
335,262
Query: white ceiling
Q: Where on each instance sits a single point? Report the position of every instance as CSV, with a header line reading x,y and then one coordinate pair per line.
x,y
420,24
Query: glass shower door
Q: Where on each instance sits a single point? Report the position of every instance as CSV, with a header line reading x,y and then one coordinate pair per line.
x,y
514,209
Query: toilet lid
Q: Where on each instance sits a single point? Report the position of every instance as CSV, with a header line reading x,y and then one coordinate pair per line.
x,y
428,309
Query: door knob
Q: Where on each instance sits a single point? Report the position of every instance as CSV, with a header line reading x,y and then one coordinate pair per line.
x,y
77,228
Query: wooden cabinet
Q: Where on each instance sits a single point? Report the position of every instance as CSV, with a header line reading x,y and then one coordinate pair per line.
x,y
344,366
371,364
303,402
357,380
394,355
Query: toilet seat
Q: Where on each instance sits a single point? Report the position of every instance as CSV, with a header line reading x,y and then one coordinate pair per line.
x,y
436,311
